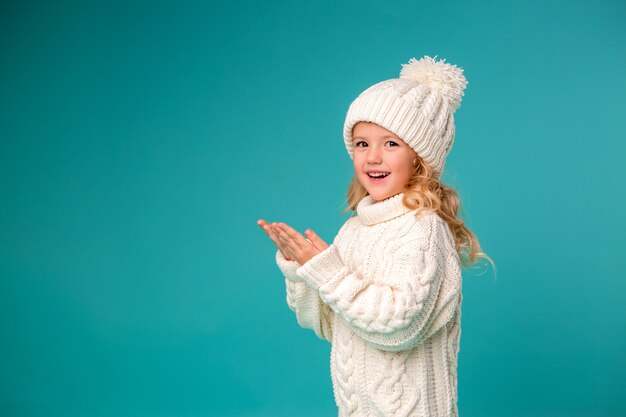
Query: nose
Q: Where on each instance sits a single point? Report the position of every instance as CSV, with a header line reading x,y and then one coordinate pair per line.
x,y
374,155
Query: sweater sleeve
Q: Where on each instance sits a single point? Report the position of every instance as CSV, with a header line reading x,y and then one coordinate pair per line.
x,y
288,268
311,312
414,295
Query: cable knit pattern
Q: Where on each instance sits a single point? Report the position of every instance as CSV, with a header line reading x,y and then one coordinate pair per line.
x,y
389,395
387,294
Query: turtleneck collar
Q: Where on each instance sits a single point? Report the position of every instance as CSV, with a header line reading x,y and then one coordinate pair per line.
x,y
371,212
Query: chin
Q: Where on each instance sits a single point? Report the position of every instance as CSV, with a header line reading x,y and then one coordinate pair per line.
x,y
380,196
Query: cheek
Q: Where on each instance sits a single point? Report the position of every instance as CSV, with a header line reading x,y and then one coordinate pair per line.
x,y
404,165
406,169
357,163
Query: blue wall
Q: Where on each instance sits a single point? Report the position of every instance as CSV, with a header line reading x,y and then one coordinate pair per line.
x,y
139,144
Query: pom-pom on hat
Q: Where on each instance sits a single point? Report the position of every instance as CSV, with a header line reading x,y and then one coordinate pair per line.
x,y
418,107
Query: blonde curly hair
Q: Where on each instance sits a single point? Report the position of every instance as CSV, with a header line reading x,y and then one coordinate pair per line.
x,y
425,192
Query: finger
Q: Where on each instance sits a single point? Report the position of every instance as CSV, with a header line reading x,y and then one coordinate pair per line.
x,y
301,248
263,225
282,248
316,240
286,241
293,234
280,243
307,233
267,228
290,245
271,234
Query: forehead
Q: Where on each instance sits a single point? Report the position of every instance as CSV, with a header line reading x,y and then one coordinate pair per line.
x,y
372,131
367,130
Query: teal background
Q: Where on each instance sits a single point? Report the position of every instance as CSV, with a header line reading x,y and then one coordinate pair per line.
x,y
141,141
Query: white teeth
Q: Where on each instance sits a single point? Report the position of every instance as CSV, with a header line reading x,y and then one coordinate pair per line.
x,y
378,174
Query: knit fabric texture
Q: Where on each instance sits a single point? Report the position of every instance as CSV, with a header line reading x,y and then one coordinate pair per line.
x,y
387,295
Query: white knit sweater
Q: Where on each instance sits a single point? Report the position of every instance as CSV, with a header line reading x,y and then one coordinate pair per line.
x,y
387,294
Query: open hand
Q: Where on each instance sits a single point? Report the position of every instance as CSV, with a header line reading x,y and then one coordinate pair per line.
x,y
292,244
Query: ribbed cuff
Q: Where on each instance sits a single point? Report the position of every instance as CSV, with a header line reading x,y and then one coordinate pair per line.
x,y
318,270
288,268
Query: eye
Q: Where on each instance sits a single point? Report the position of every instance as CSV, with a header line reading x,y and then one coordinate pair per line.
x,y
393,143
358,143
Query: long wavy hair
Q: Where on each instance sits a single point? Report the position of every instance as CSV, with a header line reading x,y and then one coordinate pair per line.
x,y
425,192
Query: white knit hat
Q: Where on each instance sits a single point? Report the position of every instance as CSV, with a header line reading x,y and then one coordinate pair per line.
x,y
418,107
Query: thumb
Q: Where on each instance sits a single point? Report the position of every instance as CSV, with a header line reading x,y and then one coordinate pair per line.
x,y
316,240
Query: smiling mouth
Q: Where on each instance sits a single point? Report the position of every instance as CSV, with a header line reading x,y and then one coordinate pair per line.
x,y
378,175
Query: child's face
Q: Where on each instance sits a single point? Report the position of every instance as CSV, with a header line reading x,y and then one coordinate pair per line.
x,y
378,150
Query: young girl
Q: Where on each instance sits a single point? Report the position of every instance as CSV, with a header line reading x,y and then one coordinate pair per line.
x,y
387,292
